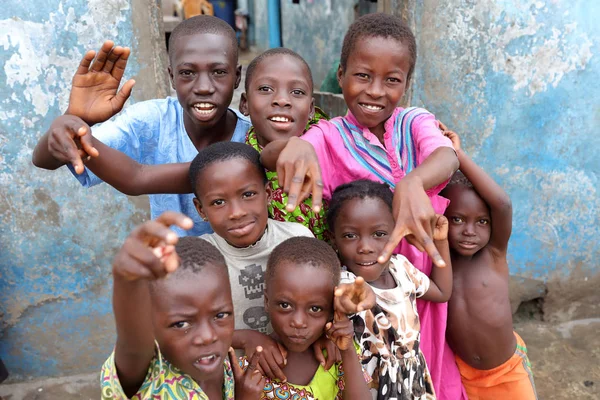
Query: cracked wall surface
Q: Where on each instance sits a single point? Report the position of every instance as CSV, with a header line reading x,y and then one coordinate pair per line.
x,y
57,240
519,82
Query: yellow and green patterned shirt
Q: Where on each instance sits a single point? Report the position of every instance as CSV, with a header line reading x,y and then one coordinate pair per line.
x,y
163,381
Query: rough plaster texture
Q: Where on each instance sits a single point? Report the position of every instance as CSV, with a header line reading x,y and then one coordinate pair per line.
x,y
316,31
57,239
518,81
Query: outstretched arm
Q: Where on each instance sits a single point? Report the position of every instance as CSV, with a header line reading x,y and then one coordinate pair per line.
x,y
297,169
492,194
134,179
147,254
94,98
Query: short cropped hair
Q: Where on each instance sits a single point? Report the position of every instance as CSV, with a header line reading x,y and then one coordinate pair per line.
x,y
195,255
379,25
223,151
271,53
202,24
307,251
359,189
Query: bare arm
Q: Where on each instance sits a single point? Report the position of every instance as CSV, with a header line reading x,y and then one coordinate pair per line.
x,y
341,332
134,179
271,152
95,97
492,194
135,264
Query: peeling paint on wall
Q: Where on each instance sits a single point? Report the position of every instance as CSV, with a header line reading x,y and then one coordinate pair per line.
x,y
57,240
518,81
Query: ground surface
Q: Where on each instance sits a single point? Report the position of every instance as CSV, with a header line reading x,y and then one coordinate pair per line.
x,y
565,359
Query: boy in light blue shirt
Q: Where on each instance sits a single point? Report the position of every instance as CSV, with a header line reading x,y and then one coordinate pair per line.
x,y
203,71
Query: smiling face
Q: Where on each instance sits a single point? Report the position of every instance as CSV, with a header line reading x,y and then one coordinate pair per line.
x,y
233,197
361,231
194,328
299,300
375,80
469,220
204,73
279,98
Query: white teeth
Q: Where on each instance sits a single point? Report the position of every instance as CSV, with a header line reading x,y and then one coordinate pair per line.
x,y
204,108
370,107
367,264
280,119
208,358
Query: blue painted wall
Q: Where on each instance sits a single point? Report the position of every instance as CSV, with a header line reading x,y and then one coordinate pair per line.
x,y
56,239
520,81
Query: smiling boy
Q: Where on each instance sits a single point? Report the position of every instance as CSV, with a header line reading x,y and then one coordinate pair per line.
x,y
204,72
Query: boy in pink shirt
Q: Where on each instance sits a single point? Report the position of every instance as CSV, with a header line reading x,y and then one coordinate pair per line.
x,y
376,140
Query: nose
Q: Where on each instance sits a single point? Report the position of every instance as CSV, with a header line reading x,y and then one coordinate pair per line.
x,y
375,89
237,209
364,246
469,230
281,99
205,334
298,320
204,85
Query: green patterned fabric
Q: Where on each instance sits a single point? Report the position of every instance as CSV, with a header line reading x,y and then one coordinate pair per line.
x,y
304,213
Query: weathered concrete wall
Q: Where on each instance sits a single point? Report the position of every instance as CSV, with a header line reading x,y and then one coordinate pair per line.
x,y
520,81
316,31
56,239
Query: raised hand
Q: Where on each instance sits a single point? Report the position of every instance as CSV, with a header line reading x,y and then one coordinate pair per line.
x,y
351,298
299,173
70,141
340,331
249,383
94,94
273,357
453,136
440,231
415,219
149,251
333,353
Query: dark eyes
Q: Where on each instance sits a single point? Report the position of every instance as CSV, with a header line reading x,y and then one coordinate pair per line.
x,y
456,220
284,305
483,221
180,325
316,309
218,202
248,194
222,315
380,234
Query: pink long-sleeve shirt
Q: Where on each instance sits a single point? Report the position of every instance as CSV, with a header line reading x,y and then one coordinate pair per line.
x,y
339,165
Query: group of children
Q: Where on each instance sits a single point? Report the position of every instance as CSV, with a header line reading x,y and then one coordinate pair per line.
x,y
245,284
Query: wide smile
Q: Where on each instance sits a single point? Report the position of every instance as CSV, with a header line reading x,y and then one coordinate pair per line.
x,y
242,229
366,264
204,111
370,108
281,121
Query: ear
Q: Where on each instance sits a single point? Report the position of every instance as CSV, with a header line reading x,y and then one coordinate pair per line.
x,y
198,206
266,297
171,77
244,104
269,192
238,75
340,75
312,109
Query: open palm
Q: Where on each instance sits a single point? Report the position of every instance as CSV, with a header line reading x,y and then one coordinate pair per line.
x,y
94,94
